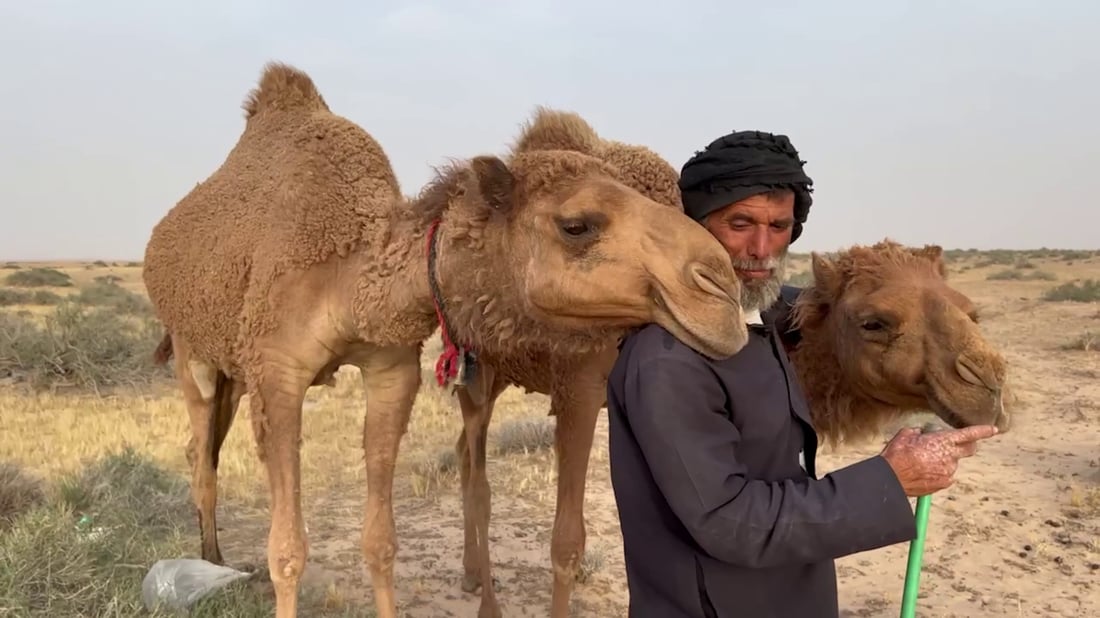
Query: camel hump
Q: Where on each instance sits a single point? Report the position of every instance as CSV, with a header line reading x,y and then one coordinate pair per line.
x,y
283,88
551,129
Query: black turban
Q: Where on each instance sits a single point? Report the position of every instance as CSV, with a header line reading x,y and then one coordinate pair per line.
x,y
741,164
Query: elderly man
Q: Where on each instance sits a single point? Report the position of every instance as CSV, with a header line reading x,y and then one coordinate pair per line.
x,y
712,462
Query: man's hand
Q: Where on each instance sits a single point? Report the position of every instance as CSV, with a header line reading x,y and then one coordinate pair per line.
x,y
926,462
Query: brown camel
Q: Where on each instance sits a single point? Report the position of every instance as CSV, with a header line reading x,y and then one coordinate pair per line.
x,y
298,255
883,335
925,354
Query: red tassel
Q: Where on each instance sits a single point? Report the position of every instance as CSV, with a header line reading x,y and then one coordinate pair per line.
x,y
446,368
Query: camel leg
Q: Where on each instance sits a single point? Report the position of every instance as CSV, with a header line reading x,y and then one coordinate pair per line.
x,y
276,401
467,461
476,493
576,424
211,399
391,378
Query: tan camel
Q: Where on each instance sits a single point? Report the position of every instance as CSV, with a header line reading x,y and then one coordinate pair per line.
x,y
298,255
939,360
573,376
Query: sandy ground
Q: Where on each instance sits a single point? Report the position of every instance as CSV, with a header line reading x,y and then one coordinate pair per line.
x,y
1019,534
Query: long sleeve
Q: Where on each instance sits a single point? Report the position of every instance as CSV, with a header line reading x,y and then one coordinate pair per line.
x,y
675,409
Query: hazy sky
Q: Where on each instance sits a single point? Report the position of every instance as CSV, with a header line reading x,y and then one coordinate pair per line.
x,y
969,124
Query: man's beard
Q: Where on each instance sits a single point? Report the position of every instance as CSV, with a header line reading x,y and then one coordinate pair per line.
x,y
760,294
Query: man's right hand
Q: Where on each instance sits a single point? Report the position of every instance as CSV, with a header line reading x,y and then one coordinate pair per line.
x,y
926,462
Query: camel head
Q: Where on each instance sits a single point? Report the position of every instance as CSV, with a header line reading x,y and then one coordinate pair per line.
x,y
901,340
577,251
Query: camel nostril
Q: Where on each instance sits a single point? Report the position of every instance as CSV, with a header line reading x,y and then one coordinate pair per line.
x,y
972,372
710,282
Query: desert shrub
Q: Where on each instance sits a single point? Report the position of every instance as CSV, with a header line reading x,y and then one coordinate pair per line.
x,y
11,266
19,493
10,297
105,292
39,278
84,550
997,257
1071,255
1086,291
1021,275
524,436
1087,342
79,347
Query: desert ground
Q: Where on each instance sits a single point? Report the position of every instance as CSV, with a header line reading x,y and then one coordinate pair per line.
x,y
93,484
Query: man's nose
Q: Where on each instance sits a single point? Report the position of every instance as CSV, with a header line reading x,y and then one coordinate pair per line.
x,y
758,244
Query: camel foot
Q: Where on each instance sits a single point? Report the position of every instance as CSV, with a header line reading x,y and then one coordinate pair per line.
x,y
489,612
471,582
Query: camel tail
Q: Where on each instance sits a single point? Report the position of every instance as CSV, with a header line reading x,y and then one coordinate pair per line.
x,y
164,350
283,88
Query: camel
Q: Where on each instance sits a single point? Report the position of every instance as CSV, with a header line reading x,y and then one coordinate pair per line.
x,y
881,335
299,255
923,354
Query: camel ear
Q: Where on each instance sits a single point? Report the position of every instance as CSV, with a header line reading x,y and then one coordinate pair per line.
x,y
827,277
934,254
495,182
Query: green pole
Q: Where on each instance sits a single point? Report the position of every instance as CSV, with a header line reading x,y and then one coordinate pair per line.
x,y
916,548
916,552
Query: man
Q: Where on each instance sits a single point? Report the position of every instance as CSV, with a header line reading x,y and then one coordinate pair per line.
x,y
712,462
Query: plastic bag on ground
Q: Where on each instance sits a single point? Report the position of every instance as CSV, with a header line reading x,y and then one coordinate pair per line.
x,y
180,582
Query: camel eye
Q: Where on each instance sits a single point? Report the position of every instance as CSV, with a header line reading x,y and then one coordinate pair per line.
x,y
872,325
574,228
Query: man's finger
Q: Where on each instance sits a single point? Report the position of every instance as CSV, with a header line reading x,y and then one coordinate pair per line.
x,y
970,434
965,449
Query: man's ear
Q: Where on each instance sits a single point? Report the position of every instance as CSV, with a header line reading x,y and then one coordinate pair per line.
x,y
493,182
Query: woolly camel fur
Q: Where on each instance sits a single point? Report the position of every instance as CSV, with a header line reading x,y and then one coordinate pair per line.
x,y
900,357
298,255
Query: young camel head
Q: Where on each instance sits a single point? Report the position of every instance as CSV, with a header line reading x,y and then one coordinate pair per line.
x,y
566,252
884,335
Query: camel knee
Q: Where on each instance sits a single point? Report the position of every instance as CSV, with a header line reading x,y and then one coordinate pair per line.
x,y
567,550
380,549
287,562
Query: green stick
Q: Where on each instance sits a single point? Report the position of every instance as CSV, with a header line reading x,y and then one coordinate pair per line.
x,y
916,552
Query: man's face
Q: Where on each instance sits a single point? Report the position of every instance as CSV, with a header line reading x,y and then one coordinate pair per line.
x,y
756,232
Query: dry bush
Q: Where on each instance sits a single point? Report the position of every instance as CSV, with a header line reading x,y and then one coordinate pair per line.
x,y
10,297
19,493
1087,291
1021,275
105,292
524,435
86,551
39,278
79,347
